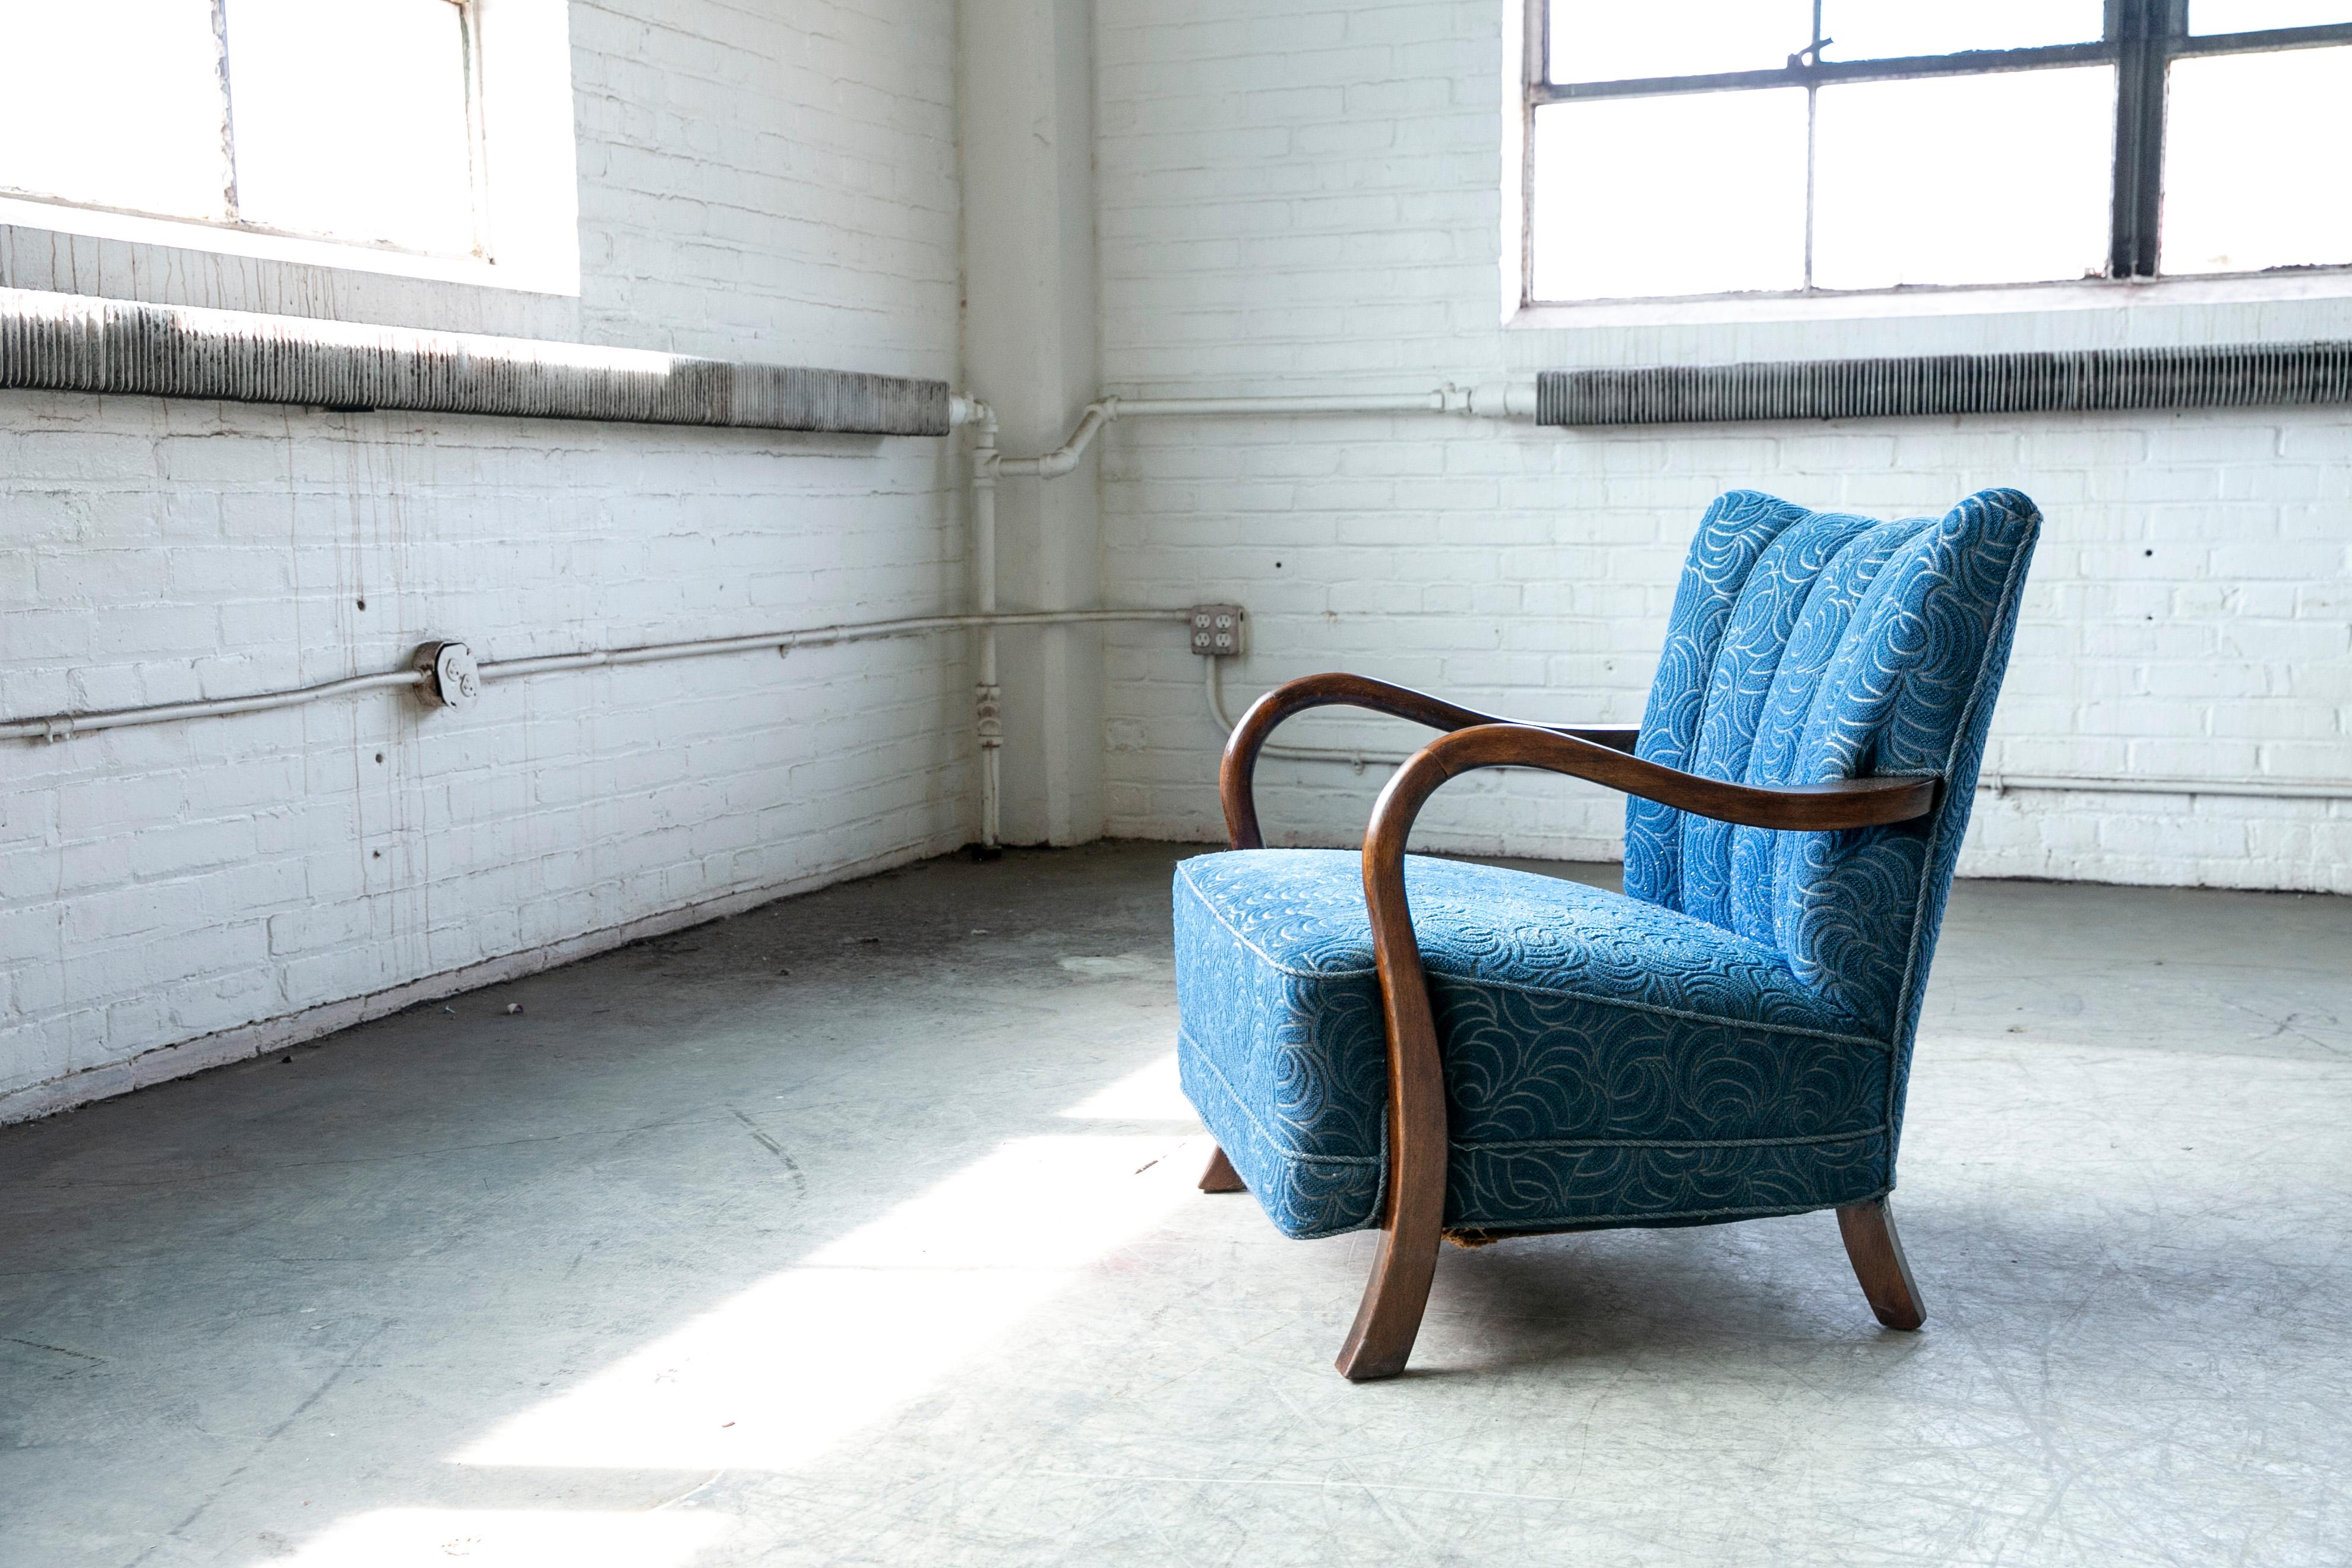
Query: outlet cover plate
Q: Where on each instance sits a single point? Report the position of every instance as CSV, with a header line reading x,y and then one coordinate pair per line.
x,y
1218,630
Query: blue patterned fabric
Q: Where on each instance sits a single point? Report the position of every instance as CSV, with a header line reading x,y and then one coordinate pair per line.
x,y
1729,1039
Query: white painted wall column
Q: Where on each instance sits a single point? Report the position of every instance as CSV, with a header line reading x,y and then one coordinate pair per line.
x,y
1030,348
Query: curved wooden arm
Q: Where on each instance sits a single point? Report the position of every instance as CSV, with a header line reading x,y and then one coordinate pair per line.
x,y
1798,808
1414,1203
1294,697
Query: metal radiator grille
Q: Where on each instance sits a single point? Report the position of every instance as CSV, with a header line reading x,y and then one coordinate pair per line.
x,y
2234,376
65,342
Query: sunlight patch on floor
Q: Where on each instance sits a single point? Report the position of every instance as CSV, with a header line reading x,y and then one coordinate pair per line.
x,y
508,1538
1150,1093
783,1371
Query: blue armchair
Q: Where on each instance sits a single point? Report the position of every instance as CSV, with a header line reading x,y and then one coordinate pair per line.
x,y
1450,1050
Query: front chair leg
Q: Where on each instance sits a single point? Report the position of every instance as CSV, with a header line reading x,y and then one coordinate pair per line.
x,y
1220,1176
1876,1254
1413,1215
1413,1211
1389,1317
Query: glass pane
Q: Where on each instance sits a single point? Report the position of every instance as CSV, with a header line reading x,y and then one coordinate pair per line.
x,y
1971,179
116,103
1881,29
2253,15
2251,162
1696,193
351,119
1610,40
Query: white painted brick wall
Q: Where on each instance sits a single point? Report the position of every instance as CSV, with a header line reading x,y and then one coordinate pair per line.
x,y
761,183
1301,193
1292,193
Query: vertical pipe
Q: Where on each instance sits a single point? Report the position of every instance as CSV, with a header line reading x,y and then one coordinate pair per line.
x,y
989,696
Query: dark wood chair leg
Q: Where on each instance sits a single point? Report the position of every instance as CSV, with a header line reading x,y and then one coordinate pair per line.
x,y
1413,1215
1389,1317
1876,1254
1220,1176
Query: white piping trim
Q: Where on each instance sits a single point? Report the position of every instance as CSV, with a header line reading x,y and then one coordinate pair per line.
x,y
1522,987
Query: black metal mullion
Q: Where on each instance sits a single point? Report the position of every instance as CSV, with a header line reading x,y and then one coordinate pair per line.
x,y
2147,32
2127,30
2267,41
2169,24
1813,73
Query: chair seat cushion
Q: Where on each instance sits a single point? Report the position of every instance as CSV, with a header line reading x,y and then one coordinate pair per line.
x,y
1607,1062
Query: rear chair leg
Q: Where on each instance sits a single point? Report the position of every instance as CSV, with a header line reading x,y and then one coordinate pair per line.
x,y
1876,1254
1220,1176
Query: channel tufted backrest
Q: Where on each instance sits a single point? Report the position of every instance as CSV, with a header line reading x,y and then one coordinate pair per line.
x,y
1809,646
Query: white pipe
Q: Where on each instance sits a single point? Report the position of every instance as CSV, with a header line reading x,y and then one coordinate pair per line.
x,y
1358,760
1999,783
988,693
58,727
2159,784
1064,458
1497,401
1398,403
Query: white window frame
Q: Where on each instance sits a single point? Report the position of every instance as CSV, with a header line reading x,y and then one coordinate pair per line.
x,y
523,163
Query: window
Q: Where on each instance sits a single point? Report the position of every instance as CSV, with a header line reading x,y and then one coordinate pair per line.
x,y
1705,147
351,121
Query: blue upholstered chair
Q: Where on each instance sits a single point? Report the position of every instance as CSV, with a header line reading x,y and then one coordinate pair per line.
x,y
1439,1048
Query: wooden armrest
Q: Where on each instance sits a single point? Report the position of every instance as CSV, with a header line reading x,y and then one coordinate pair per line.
x,y
1240,765
1800,808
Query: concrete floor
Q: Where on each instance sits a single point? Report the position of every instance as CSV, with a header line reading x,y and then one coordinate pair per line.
x,y
860,1230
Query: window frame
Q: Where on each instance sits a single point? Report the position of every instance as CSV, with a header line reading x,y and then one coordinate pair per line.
x,y
224,87
2141,39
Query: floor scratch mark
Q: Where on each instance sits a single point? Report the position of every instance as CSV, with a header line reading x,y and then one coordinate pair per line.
x,y
59,1349
800,1181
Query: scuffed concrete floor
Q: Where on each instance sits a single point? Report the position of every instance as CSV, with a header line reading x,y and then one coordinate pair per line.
x,y
860,1230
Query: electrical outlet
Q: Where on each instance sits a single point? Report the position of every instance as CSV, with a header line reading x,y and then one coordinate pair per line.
x,y
452,679
1217,630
